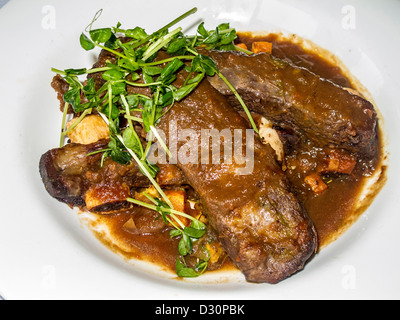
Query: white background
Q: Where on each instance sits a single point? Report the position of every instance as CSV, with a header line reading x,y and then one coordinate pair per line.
x,y
45,252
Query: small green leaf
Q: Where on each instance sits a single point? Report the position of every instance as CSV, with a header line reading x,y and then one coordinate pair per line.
x,y
112,42
196,79
136,33
197,224
212,38
223,26
114,111
128,64
227,38
227,47
132,141
134,76
176,45
89,89
152,70
100,35
202,30
183,91
128,50
118,152
73,97
165,99
133,100
73,81
118,88
183,246
148,79
112,75
170,69
185,272
86,43
193,232
202,63
175,233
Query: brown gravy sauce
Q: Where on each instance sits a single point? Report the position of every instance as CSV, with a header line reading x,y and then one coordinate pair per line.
x,y
332,212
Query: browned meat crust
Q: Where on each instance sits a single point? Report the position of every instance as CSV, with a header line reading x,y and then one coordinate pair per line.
x,y
300,100
61,86
76,179
259,222
62,171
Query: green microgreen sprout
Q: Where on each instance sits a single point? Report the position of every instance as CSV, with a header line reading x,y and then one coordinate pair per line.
x,y
135,65
187,234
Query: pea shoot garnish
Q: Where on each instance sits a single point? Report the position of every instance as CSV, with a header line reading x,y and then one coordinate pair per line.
x,y
135,65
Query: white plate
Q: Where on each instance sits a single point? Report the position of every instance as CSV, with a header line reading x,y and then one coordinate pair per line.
x,y
45,253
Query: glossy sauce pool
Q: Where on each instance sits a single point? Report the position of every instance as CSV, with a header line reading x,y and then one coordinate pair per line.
x,y
334,210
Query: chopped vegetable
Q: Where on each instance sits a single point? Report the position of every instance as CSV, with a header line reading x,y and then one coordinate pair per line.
x,y
89,130
261,46
136,66
242,46
105,195
338,161
178,199
316,183
216,251
269,135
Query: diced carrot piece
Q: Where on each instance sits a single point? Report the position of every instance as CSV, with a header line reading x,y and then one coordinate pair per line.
x,y
215,250
261,46
178,199
242,45
345,162
316,183
338,161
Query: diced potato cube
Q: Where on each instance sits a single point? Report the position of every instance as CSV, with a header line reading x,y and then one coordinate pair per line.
x,y
92,128
269,135
151,191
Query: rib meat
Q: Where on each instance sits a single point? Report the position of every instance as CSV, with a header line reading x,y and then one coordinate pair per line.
x,y
297,99
259,222
79,180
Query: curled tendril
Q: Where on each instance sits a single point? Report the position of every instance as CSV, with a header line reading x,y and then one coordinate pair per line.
x,y
96,16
